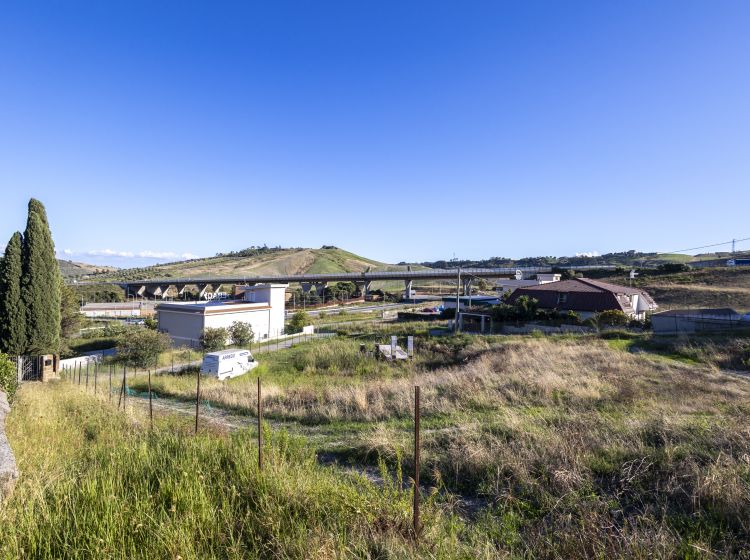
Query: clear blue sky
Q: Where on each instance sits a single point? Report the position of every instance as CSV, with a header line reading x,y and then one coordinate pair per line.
x,y
398,130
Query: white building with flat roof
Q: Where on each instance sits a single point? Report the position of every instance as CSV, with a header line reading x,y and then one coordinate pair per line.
x,y
262,307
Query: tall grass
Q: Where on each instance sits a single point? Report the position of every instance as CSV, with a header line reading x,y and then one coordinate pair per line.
x,y
580,449
96,484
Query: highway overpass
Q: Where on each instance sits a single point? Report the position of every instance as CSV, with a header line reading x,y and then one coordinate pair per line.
x,y
158,287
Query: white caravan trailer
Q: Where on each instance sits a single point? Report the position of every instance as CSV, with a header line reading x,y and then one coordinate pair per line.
x,y
228,363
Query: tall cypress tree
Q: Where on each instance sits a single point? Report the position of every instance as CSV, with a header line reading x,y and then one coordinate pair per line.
x,y
40,285
12,311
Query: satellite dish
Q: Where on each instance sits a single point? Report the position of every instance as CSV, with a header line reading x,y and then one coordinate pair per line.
x,y
519,275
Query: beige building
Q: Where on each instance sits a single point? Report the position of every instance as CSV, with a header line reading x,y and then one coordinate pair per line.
x,y
262,307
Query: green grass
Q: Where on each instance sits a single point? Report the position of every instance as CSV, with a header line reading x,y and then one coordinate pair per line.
x,y
730,351
97,484
565,446
78,346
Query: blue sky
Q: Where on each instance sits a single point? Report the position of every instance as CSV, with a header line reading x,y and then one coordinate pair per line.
x,y
400,131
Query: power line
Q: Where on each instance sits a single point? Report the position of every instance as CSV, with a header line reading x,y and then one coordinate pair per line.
x,y
705,246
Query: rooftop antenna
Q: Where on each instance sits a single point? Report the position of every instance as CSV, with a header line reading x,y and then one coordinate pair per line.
x,y
733,243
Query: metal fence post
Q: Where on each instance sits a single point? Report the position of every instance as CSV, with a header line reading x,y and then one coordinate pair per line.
x,y
87,376
260,428
416,462
197,399
150,405
110,382
96,371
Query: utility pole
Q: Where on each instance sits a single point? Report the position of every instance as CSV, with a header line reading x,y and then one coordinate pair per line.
x,y
458,301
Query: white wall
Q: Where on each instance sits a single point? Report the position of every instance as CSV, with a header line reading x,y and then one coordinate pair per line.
x,y
258,321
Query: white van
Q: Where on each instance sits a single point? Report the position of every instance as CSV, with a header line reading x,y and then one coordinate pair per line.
x,y
228,363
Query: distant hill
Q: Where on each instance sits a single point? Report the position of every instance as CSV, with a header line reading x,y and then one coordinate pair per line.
x,y
72,270
624,259
256,261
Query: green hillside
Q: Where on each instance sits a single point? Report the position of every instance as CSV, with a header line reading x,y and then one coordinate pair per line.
x,y
258,261
71,269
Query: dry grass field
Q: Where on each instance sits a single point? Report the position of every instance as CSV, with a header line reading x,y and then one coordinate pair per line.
x,y
577,447
704,287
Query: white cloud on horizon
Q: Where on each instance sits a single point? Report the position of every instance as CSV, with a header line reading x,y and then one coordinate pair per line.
x,y
155,255
589,254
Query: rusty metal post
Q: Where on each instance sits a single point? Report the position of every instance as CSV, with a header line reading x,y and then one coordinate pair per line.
x,y
96,370
119,396
150,405
260,428
110,382
124,387
197,400
416,463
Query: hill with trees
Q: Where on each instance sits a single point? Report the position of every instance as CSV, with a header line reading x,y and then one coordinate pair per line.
x,y
254,261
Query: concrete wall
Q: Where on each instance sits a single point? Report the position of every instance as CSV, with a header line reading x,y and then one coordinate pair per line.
x,y
184,328
259,321
8,468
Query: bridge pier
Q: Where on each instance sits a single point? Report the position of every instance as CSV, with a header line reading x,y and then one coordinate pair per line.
x,y
467,286
161,291
203,288
318,286
363,288
140,292
407,289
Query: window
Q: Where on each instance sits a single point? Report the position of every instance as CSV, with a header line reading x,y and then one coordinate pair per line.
x,y
562,298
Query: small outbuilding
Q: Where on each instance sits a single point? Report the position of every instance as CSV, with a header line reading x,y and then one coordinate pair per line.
x,y
697,320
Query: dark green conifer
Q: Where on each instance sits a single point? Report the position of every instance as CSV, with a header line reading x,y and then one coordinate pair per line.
x,y
40,284
12,312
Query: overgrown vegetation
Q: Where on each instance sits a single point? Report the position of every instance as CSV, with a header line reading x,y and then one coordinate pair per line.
x,y
581,450
141,347
8,377
114,490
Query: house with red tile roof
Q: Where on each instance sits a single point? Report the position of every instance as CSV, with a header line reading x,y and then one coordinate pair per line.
x,y
586,297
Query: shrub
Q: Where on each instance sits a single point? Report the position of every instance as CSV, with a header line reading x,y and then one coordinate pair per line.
x,y
141,347
8,376
670,268
114,328
612,318
151,323
241,333
214,339
572,318
299,320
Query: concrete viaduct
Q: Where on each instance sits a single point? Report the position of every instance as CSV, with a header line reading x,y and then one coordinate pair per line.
x,y
318,282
